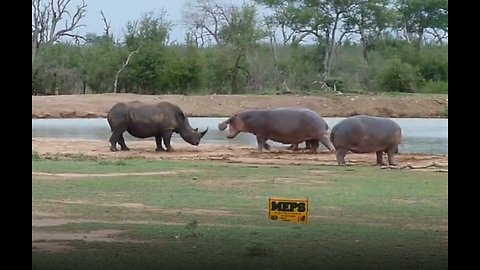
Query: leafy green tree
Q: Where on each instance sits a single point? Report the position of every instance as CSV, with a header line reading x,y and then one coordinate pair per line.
x,y
151,34
418,17
368,19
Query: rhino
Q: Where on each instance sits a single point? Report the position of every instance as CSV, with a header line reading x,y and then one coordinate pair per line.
x,y
142,120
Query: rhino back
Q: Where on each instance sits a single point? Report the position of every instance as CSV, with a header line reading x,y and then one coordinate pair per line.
x,y
145,120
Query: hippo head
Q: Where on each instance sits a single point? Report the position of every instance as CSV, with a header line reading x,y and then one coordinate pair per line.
x,y
193,137
236,126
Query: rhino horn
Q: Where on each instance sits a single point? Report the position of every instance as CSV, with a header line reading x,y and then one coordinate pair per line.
x,y
203,133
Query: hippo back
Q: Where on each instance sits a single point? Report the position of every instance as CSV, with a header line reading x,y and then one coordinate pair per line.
x,y
286,124
363,133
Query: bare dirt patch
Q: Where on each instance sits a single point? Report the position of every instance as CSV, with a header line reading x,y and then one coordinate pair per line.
x,y
241,154
61,242
92,106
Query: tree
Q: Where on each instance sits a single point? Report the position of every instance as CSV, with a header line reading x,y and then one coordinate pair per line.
x,y
240,34
46,20
151,33
318,18
206,18
368,19
418,17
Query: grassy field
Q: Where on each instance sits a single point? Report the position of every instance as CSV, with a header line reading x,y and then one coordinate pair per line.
x,y
207,215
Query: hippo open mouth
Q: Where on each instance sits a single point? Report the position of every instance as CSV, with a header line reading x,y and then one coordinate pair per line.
x,y
232,133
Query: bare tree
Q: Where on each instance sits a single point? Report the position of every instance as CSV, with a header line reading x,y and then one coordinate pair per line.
x,y
115,84
107,24
46,20
206,19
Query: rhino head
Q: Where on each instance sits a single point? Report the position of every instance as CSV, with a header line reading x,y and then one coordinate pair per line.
x,y
192,136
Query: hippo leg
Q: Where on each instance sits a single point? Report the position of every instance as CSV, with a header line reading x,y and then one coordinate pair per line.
x,y
158,140
380,158
266,146
340,154
262,143
114,138
390,154
167,136
313,146
308,145
293,147
121,141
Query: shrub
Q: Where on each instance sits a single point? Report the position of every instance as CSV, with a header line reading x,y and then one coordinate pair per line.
x,y
399,77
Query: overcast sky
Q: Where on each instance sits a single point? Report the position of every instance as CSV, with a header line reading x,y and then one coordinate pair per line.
x,y
119,12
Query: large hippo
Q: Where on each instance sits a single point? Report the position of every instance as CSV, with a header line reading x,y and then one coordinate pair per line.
x,y
288,125
366,134
150,120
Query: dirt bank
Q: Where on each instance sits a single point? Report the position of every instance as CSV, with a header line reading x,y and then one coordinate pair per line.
x,y
93,106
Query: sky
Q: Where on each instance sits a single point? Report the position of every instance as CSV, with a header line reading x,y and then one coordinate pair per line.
x,y
119,12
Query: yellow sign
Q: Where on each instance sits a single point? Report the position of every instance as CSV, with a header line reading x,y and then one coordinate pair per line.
x,y
293,210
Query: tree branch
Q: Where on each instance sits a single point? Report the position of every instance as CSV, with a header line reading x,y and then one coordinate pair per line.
x,y
106,23
115,84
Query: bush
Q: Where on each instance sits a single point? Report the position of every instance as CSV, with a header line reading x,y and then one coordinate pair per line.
x,y
399,77
440,87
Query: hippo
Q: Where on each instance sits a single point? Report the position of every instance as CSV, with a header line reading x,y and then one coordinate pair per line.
x,y
288,125
366,134
150,120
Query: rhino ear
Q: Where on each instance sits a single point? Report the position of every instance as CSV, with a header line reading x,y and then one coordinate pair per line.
x,y
195,129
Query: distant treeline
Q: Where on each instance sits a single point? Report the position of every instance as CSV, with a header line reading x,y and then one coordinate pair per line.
x,y
358,46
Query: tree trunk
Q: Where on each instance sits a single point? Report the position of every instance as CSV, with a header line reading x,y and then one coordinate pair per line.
x,y
331,43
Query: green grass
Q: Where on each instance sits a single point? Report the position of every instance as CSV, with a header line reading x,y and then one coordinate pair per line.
x,y
361,217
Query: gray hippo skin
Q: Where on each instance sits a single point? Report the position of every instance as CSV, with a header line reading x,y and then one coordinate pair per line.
x,y
366,134
150,120
308,145
289,125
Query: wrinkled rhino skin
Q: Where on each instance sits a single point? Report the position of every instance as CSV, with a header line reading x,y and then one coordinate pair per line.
x,y
143,120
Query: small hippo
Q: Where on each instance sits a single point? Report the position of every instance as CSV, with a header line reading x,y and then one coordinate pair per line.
x,y
366,134
289,125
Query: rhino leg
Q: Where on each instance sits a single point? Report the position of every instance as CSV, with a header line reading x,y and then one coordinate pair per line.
x,y
158,140
121,141
167,136
390,153
380,158
114,138
340,155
